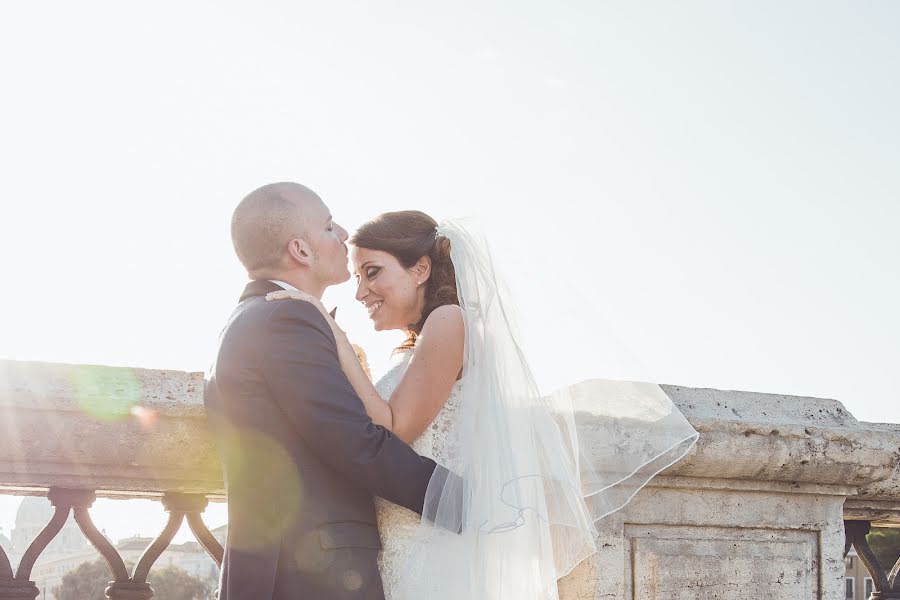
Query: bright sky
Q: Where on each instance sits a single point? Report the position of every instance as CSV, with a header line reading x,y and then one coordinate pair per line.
x,y
706,191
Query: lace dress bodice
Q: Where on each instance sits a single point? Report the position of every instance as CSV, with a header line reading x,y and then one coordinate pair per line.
x,y
396,523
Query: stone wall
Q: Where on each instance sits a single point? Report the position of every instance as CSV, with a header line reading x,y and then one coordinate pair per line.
x,y
757,509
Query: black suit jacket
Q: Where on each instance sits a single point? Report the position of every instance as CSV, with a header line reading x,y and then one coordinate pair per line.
x,y
302,459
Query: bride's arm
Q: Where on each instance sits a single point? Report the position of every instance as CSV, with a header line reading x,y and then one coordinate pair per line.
x,y
425,386
432,371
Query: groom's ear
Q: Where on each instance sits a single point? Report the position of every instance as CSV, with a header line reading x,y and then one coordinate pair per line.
x,y
300,251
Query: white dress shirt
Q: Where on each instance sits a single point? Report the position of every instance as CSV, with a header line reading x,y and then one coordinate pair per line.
x,y
286,286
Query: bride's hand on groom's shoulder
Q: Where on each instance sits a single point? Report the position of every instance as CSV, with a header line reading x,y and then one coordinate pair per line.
x,y
298,295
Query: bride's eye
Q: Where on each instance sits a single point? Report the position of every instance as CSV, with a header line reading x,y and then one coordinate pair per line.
x,y
372,272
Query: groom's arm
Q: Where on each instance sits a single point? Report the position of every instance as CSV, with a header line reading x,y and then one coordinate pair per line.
x,y
304,375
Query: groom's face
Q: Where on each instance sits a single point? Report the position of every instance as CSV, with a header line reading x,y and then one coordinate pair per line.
x,y
328,242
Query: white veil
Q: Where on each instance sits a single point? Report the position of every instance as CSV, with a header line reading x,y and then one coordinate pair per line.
x,y
536,471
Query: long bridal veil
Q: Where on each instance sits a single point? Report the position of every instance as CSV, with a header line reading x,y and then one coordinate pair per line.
x,y
536,471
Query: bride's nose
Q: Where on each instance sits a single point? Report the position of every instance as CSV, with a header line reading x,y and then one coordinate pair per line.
x,y
361,290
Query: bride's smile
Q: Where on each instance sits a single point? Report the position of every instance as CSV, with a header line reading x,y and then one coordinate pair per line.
x,y
372,308
393,294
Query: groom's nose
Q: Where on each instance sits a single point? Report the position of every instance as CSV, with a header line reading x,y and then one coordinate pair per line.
x,y
342,233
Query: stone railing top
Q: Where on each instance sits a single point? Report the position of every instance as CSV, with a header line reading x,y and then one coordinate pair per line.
x,y
142,432
774,409
796,439
66,387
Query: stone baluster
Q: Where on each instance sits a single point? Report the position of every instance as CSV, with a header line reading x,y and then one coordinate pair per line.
x,y
7,577
887,586
178,506
12,588
192,506
19,586
206,539
121,587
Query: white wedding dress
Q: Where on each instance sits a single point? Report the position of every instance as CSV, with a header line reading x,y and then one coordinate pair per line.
x,y
532,473
398,524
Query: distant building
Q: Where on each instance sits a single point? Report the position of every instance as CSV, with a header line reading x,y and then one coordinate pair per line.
x,y
189,556
857,581
48,572
33,515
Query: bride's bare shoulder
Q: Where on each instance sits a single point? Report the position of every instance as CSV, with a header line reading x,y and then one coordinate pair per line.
x,y
446,320
442,339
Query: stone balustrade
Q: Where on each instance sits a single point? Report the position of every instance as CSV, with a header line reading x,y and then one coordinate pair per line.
x,y
766,504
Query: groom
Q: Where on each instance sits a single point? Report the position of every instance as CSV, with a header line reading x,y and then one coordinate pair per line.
x,y
302,459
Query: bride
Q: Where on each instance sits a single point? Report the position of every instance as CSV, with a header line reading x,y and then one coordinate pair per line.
x,y
536,471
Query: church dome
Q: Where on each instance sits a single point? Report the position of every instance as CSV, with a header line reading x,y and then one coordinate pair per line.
x,y
34,511
33,515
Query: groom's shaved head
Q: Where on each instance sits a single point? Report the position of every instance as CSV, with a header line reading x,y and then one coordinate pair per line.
x,y
266,220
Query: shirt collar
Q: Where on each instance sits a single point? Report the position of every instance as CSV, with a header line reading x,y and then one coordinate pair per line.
x,y
286,286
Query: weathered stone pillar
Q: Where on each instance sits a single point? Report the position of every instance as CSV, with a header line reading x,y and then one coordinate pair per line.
x,y
756,509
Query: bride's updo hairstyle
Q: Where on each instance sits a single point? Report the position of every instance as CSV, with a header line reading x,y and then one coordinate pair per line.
x,y
408,235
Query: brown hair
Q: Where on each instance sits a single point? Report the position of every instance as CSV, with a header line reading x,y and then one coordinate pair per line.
x,y
408,235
